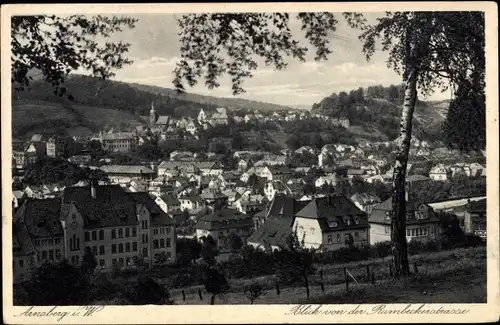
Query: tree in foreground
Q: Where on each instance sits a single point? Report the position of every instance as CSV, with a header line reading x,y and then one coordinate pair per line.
x,y
254,291
56,45
57,284
428,49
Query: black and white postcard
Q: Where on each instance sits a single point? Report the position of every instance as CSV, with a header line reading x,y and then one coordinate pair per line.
x,y
250,163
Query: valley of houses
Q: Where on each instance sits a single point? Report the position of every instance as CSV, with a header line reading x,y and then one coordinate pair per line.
x,y
143,209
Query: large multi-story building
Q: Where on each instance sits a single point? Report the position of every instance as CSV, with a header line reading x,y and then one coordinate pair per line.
x,y
55,146
116,225
118,142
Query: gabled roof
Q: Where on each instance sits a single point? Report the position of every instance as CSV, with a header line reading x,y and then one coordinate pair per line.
x,y
126,169
170,199
40,217
221,219
158,216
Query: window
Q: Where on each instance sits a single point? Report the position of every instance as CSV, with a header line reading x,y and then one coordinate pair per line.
x,y
94,235
113,234
387,229
167,230
408,232
120,233
127,260
168,242
58,254
162,243
114,262
134,232
145,252
120,248
134,246
144,224
121,261
113,249
330,239
127,247
102,263
338,238
155,231
87,236
94,250
101,250
77,259
127,232
155,243
101,234
356,220
144,238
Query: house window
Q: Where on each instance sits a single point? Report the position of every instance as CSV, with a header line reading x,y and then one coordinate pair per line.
x,y
144,238
408,232
338,238
127,260
134,232
144,224
113,234
145,252
121,261
102,263
87,236
387,229
101,234
330,239
94,235
162,243
127,232
113,249
155,243
127,247
77,260
134,246
168,242
155,231
58,254
101,250
51,255
120,233
120,248
94,250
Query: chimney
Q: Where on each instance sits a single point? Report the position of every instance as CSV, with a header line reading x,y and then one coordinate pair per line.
x,y
93,185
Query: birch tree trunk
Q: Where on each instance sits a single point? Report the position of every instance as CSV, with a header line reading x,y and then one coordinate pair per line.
x,y
398,220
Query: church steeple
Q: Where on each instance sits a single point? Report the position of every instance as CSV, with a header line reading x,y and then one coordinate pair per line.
x,y
152,114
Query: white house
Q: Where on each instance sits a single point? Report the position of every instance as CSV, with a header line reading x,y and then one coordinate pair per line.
x,y
439,173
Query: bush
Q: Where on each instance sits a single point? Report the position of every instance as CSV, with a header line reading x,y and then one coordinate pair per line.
x,y
147,291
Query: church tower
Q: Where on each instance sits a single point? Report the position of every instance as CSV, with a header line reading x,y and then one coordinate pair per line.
x,y
152,115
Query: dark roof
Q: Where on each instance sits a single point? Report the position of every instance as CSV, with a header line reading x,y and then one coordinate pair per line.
x,y
221,219
477,206
169,199
378,213
158,216
21,240
111,207
272,233
285,207
334,212
40,217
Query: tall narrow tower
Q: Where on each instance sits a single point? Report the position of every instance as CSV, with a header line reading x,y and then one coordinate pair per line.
x,y
152,115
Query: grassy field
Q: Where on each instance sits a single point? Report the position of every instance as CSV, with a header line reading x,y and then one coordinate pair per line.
x,y
457,276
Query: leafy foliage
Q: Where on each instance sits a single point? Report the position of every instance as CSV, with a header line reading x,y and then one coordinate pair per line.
x,y
253,291
207,39
148,291
57,45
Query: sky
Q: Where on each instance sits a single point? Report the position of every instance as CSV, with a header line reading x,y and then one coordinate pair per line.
x,y
155,49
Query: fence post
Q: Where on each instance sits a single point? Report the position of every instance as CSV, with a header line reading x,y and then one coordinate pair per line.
x,y
346,280
373,278
368,272
199,294
277,288
183,296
